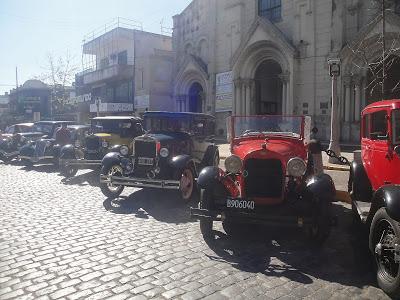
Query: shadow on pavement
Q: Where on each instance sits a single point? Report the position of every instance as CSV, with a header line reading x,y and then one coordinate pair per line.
x,y
39,168
162,205
344,258
91,178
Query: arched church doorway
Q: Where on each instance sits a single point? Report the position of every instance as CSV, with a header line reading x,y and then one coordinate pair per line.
x,y
268,88
196,94
392,81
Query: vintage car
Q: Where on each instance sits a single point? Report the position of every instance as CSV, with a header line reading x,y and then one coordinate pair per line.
x,y
108,134
270,179
43,149
175,148
374,186
14,137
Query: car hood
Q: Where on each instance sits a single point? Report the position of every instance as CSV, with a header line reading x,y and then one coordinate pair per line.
x,y
165,138
275,148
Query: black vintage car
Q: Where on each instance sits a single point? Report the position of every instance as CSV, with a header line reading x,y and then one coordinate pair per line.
x,y
43,148
14,137
108,134
175,148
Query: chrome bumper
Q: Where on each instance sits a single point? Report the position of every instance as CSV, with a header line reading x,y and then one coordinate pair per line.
x,y
81,163
141,182
35,159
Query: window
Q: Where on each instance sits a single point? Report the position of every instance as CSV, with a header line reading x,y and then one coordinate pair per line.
x,y
397,7
365,126
123,58
378,126
396,126
270,9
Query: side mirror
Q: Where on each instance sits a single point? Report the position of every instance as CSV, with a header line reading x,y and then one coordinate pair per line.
x,y
397,150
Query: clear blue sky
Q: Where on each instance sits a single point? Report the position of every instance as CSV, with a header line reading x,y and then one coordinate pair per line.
x,y
29,29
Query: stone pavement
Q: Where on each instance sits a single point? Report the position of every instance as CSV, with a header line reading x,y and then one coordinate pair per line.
x,y
64,240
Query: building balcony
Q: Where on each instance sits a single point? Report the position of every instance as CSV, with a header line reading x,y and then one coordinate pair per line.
x,y
114,72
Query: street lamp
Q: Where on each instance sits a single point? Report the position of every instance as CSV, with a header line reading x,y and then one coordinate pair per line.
x,y
334,72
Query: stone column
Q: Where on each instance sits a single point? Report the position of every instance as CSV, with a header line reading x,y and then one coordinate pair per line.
x,y
238,96
357,100
248,97
285,90
347,99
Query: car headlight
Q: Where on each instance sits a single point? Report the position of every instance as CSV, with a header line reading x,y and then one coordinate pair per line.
x,y
233,164
77,143
296,167
23,139
124,150
105,144
164,152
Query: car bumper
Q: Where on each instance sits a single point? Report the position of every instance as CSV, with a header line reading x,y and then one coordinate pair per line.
x,y
35,159
251,218
80,163
141,182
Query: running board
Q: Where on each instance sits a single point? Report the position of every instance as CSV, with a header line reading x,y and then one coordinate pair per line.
x,y
141,182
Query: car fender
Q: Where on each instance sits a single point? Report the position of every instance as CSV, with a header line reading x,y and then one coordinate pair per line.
x,y
112,158
208,177
209,155
361,181
115,148
321,186
27,150
387,196
181,161
56,150
67,152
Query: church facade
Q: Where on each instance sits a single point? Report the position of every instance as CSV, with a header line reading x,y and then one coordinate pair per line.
x,y
247,57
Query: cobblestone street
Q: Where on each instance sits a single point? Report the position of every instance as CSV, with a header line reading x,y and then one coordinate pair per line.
x,y
63,240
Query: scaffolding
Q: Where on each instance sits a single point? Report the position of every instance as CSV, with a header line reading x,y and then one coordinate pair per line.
x,y
102,47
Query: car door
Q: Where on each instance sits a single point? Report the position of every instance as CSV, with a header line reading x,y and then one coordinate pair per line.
x,y
379,135
394,162
199,139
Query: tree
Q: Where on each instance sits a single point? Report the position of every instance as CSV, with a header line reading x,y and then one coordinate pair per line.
x,y
389,44
59,74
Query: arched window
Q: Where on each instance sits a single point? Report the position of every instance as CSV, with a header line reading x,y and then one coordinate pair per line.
x,y
270,9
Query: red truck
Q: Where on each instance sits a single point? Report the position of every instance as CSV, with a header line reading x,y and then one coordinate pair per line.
x,y
374,187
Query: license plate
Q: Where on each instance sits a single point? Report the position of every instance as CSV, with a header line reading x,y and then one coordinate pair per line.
x,y
241,204
144,161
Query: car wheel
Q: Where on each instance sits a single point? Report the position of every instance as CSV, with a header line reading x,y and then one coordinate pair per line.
x,y
206,225
321,225
187,184
383,237
110,190
68,172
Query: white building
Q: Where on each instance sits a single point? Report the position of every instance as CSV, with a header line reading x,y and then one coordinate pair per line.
x,y
125,71
270,57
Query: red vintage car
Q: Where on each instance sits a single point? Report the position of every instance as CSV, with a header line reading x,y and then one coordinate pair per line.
x,y
374,186
270,178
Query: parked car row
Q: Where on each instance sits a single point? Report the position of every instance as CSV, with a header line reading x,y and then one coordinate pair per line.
x,y
274,175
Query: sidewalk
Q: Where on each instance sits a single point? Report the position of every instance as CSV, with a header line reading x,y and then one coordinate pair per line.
x,y
224,152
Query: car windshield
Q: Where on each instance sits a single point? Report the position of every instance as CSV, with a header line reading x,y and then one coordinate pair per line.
x,y
396,126
110,126
167,124
265,125
24,128
41,127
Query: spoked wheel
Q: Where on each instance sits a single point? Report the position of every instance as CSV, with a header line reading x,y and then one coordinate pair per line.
x,y
68,171
187,184
111,190
384,239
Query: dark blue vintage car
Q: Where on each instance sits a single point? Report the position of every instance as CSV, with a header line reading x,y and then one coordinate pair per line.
x,y
170,155
44,149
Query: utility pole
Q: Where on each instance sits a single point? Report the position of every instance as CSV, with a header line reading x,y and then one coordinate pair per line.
x,y
334,72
